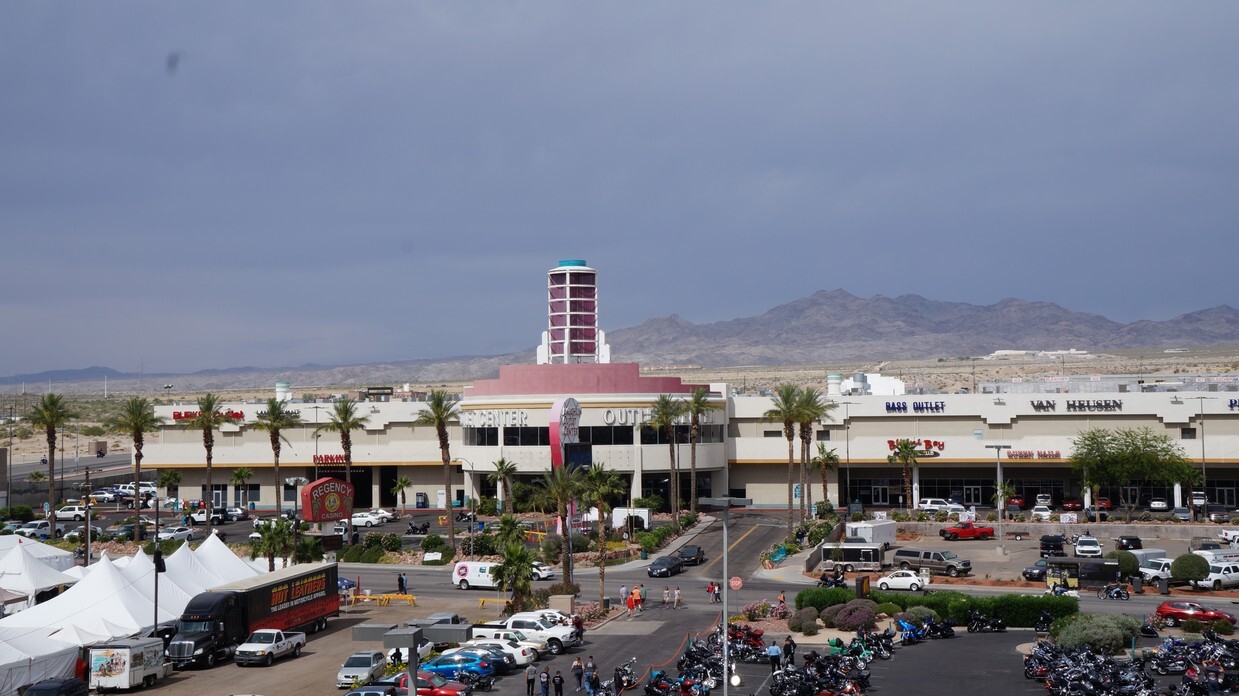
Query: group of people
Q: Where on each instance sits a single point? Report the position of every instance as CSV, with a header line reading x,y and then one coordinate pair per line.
x,y
584,673
634,599
714,591
781,657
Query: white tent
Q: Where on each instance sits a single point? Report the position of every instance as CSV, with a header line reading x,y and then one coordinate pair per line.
x,y
52,557
101,602
140,572
189,573
216,555
21,572
27,656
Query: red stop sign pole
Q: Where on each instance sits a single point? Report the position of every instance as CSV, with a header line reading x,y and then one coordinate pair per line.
x,y
735,583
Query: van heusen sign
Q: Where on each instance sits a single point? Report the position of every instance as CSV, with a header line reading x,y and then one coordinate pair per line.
x,y
1078,405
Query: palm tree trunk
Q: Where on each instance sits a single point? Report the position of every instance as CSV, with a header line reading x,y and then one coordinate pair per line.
x,y
51,476
791,477
279,483
907,486
602,558
692,465
804,478
209,498
565,548
825,481
675,487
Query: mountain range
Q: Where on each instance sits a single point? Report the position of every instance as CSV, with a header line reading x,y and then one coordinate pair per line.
x,y
828,326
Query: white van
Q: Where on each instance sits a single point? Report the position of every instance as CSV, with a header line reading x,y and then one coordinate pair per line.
x,y
466,574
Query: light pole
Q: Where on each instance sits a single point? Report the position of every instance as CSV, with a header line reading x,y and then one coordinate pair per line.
x,y
726,502
1000,497
295,481
847,450
1200,419
316,408
472,495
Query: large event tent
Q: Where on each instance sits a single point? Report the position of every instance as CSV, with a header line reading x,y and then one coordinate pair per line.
x,y
55,558
21,572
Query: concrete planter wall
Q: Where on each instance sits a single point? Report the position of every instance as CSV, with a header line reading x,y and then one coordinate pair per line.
x,y
1106,530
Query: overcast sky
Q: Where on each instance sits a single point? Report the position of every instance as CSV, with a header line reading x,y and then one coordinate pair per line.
x,y
207,185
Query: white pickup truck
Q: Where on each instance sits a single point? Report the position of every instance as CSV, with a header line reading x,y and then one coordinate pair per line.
x,y
485,632
267,645
557,637
200,517
1230,536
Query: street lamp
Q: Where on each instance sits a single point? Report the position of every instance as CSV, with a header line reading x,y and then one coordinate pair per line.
x,y
472,495
847,449
1001,498
1200,419
726,502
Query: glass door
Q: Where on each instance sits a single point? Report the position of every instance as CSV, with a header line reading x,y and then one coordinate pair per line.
x,y
972,495
1226,496
880,495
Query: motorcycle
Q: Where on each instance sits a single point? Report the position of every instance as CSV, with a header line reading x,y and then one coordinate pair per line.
x,y
1044,622
1113,592
832,582
980,623
626,676
939,629
415,528
99,454
477,681
465,516
910,634
1061,591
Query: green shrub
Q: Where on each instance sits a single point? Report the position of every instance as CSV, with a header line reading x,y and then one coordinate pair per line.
x,y
922,516
653,502
821,597
1189,566
857,517
566,588
648,541
827,615
373,554
687,520
352,553
23,513
922,613
824,508
991,517
1222,627
802,619
580,543
1193,626
373,540
552,548
889,608
819,533
1108,633
483,544
434,542
488,506
1014,609
858,613
1129,565
810,629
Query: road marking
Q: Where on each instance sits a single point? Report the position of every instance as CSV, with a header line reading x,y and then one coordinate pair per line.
x,y
710,565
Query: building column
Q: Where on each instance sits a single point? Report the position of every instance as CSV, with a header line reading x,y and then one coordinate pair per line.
x,y
1178,495
916,487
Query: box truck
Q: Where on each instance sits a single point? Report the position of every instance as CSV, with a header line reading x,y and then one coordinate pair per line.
x,y
876,532
126,663
216,622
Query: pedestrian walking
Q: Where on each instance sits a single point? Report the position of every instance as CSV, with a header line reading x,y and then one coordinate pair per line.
x,y
531,677
397,657
639,590
558,682
595,682
710,591
718,593
666,596
579,625
632,604
773,652
544,680
578,672
789,651
402,584
591,671
676,604
623,594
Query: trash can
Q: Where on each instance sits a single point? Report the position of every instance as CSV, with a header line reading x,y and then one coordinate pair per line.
x,y
252,506
606,604
862,586
1137,585
1165,585
644,555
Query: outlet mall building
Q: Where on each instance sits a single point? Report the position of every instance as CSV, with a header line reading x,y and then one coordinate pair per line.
x,y
526,416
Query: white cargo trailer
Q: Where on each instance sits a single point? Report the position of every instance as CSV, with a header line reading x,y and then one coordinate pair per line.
x,y
875,532
126,663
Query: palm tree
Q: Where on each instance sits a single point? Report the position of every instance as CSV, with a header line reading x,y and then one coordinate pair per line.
x,y
50,413
502,476
1003,492
36,476
515,574
439,412
601,484
208,419
401,488
169,479
697,405
276,538
825,461
135,419
510,531
343,419
309,550
784,407
559,487
240,479
905,453
810,409
273,421
664,413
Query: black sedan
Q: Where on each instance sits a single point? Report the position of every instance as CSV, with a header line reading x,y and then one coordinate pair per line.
x,y
692,554
665,567
1036,571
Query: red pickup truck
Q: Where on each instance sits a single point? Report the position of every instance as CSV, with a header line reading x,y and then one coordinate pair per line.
x,y
966,530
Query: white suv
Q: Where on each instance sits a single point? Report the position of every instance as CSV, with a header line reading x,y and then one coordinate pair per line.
x,y
932,504
1088,547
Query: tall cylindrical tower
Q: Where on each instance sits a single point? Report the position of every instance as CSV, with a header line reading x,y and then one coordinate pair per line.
x,y
572,312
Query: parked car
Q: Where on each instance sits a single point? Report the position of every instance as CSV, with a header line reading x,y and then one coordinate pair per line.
x,y
1045,499
541,571
1036,571
1128,543
1218,513
428,684
384,515
932,505
182,533
1015,501
499,660
665,567
1182,514
1095,514
103,496
75,512
1220,576
692,554
1052,545
1073,504
59,686
365,519
233,514
451,665
361,666
1103,503
1175,613
1158,505
1041,513
903,580
1088,547
955,509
